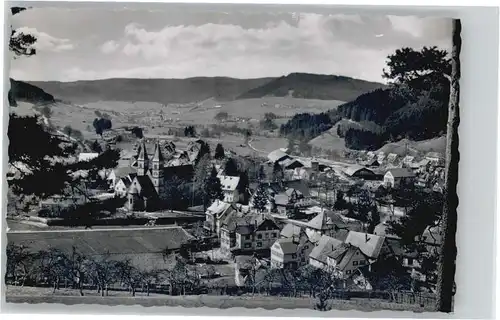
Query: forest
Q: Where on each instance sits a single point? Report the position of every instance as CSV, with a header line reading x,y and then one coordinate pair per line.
x,y
414,106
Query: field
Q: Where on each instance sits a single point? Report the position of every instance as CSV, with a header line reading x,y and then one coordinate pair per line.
x,y
144,246
416,147
70,297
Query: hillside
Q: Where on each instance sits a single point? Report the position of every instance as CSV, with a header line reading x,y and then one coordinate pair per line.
x,y
415,147
25,92
162,91
313,86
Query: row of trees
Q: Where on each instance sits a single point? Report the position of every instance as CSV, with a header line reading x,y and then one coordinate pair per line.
x,y
80,271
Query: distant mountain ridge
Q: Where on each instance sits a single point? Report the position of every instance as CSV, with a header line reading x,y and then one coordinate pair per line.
x,y
300,85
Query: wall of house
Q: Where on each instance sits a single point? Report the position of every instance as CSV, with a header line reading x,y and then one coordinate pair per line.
x,y
316,263
259,240
225,240
120,189
277,256
389,180
231,196
356,261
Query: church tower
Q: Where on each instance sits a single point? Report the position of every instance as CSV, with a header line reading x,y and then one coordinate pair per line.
x,y
157,171
142,161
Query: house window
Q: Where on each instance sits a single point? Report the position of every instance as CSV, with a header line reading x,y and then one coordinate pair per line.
x,y
410,261
247,245
259,236
348,272
354,263
294,256
306,247
259,244
274,234
267,235
362,262
247,237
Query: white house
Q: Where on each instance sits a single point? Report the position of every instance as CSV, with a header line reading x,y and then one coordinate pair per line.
x,y
397,177
229,186
214,214
291,252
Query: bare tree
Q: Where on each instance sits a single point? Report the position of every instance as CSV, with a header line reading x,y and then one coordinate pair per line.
x,y
52,266
103,271
129,275
20,262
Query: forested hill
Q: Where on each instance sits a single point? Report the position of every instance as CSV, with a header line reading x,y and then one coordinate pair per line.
x,y
398,112
162,91
22,91
313,86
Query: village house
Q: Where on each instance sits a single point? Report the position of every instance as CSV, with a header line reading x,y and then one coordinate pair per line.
x,y
407,161
229,186
392,158
381,157
291,202
292,252
118,173
255,232
123,184
277,156
343,258
397,177
435,158
357,171
213,216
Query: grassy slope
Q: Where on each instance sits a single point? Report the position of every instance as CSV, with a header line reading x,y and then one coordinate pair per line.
x,y
436,145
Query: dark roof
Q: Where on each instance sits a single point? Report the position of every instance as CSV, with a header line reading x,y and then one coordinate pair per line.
x,y
124,171
401,172
147,187
288,246
185,172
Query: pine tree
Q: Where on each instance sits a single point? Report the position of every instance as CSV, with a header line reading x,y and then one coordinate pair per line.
x,y
261,174
213,188
260,198
219,152
278,173
243,186
231,168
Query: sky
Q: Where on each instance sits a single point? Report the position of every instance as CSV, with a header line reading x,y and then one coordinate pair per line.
x,y
116,42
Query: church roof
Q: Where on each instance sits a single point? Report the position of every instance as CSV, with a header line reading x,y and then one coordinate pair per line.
x,y
158,154
143,152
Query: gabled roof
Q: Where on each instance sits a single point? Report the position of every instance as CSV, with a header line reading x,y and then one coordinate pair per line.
x,y
147,187
277,155
218,207
319,222
434,155
369,244
229,183
288,246
401,173
87,156
281,199
391,157
290,230
124,171
158,154
353,169
325,246
143,153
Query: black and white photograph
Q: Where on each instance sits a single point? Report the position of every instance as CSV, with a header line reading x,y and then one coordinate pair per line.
x,y
229,156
